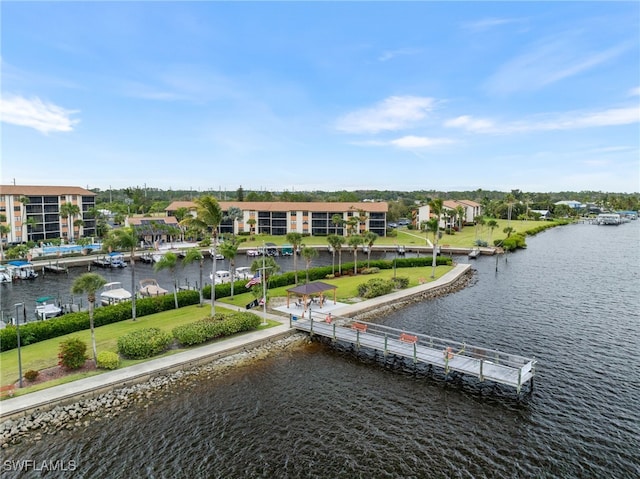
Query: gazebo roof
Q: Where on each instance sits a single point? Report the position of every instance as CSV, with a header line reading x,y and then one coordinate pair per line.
x,y
311,288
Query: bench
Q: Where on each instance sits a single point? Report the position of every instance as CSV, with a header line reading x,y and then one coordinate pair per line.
x,y
362,328
408,338
7,390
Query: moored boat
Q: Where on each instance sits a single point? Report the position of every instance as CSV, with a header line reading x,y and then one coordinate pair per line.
x,y
114,293
46,308
22,270
150,287
5,275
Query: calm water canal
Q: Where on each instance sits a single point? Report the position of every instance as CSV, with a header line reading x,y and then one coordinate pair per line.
x,y
571,300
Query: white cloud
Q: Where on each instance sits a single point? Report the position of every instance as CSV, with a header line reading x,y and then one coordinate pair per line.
x,y
565,121
390,54
471,124
411,142
635,91
393,113
37,114
489,23
548,62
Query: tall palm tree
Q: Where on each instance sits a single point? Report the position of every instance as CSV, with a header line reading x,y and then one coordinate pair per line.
x,y
510,201
337,221
25,201
252,223
169,261
234,214
4,230
89,283
308,254
369,238
336,242
194,254
491,224
208,216
354,242
460,213
126,239
435,205
70,211
296,240
229,249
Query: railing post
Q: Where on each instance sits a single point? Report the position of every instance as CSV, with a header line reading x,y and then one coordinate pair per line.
x,y
385,345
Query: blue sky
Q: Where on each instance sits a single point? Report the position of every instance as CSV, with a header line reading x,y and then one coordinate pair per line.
x,y
322,96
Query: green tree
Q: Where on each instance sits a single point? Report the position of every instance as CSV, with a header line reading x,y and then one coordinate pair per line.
x,y
169,261
229,249
208,216
308,253
460,213
69,211
194,254
296,241
336,242
369,238
354,242
234,214
126,239
508,230
491,224
4,231
89,283
25,202
337,221
435,205
252,226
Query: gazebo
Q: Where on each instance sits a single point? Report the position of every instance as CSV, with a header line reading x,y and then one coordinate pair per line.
x,y
309,290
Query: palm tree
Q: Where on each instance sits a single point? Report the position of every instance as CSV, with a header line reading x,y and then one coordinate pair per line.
x,y
336,242
491,224
460,212
436,209
126,239
235,214
89,283
337,221
252,223
25,201
354,242
194,254
508,230
308,254
169,261
296,240
510,200
4,230
208,215
69,211
369,238
229,249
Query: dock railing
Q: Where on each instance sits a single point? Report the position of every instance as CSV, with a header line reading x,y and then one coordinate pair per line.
x,y
484,363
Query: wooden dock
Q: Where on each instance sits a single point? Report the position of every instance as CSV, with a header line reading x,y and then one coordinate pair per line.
x,y
482,363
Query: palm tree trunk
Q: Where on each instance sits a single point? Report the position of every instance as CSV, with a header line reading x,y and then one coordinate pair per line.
x,y
175,293
93,334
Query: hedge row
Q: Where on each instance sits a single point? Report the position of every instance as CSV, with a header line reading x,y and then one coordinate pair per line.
x,y
222,325
144,343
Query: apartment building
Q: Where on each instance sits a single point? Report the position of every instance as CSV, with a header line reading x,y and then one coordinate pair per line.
x,y
37,213
312,218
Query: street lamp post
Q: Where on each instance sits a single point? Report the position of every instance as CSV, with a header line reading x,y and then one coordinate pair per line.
x,y
18,337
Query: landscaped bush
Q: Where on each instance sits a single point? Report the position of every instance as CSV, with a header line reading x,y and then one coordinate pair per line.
x,y
72,354
108,360
401,282
371,270
222,325
31,375
37,331
144,343
375,287
514,242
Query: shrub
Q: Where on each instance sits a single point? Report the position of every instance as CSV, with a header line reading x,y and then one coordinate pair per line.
x,y
144,343
401,282
72,353
31,375
371,270
108,360
375,287
207,329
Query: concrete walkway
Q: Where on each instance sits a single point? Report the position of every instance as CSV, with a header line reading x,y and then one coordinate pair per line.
x,y
95,385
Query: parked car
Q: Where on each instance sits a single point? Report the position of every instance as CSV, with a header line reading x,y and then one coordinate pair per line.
x,y
392,225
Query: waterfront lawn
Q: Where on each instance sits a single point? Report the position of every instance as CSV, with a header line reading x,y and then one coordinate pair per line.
x,y
347,285
404,236
44,354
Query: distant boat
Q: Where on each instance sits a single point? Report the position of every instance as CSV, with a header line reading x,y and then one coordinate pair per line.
x,y
150,287
46,308
5,275
253,253
222,276
287,250
474,253
114,293
22,270
400,250
243,272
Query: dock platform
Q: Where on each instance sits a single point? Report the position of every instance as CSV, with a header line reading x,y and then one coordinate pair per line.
x,y
482,363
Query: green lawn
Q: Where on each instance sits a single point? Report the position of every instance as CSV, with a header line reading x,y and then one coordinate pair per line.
x,y
44,354
463,239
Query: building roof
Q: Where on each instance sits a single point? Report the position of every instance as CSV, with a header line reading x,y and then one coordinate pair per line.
x,y
145,220
311,288
317,206
28,190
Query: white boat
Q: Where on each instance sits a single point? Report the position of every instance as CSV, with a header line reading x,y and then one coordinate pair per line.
x,y
222,276
46,308
116,260
22,270
150,287
5,275
252,253
114,293
218,255
243,272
